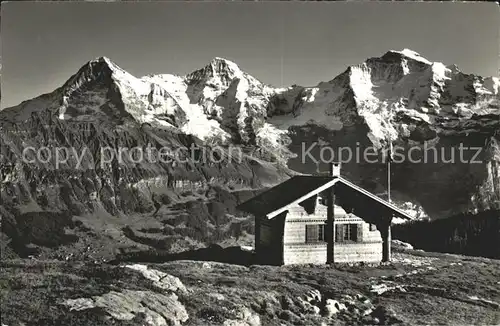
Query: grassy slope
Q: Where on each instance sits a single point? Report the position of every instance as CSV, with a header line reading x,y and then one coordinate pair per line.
x,y
438,289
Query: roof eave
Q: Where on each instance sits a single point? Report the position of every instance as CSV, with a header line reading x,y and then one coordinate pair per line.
x,y
392,207
316,191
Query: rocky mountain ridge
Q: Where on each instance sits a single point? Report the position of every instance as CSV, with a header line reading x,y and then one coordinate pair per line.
x,y
399,99
221,98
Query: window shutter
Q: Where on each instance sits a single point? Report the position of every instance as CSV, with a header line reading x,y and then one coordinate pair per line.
x,y
312,233
315,232
360,233
321,232
339,233
352,233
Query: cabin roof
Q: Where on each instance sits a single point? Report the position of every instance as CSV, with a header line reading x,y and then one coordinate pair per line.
x,y
283,194
351,197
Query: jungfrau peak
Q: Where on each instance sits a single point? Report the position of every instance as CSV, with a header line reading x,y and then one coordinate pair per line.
x,y
399,98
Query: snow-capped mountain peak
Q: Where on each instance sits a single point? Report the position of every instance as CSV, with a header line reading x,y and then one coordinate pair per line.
x,y
225,98
221,65
410,54
396,97
101,70
217,71
106,60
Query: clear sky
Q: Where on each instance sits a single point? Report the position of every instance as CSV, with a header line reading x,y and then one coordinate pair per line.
x,y
44,43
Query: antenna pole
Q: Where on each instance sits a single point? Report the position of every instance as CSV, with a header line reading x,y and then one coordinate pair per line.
x,y
385,232
389,181
389,173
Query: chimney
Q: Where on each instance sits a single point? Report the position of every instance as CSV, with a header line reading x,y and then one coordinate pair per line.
x,y
334,169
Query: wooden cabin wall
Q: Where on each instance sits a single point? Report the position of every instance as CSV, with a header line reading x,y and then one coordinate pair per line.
x,y
369,250
366,249
297,251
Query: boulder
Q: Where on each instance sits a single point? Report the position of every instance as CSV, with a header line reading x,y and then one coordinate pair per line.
x,y
362,298
313,296
217,296
156,308
401,245
315,310
332,307
160,279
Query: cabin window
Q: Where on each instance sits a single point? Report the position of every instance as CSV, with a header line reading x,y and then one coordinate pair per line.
x,y
347,233
315,233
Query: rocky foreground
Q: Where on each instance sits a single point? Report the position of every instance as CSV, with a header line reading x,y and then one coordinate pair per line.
x,y
416,288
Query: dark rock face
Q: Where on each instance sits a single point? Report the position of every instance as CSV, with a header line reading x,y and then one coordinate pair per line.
x,y
37,190
464,179
75,165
